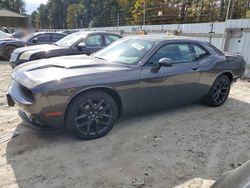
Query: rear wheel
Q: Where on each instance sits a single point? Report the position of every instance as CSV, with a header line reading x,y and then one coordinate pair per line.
x,y
8,51
91,115
219,91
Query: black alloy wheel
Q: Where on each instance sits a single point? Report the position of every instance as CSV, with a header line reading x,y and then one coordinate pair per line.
x,y
219,91
92,115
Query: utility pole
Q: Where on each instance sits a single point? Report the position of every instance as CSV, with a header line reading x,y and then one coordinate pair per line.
x,y
224,34
76,19
118,21
211,32
144,15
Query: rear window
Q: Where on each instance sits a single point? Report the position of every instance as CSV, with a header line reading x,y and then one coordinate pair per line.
x,y
199,52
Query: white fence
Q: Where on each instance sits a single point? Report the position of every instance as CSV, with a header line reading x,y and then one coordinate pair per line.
x,y
237,38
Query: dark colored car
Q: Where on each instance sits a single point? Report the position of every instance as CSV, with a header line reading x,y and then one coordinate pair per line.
x,y
87,94
7,46
68,32
85,42
237,178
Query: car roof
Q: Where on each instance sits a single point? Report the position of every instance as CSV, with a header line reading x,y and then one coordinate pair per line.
x,y
162,38
96,32
37,33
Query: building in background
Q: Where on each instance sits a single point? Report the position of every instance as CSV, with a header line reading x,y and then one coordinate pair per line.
x,y
12,19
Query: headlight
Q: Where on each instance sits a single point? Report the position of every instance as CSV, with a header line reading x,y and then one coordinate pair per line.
x,y
25,56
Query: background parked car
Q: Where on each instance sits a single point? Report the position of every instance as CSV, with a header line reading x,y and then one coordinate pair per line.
x,y
237,178
7,46
85,42
68,32
4,35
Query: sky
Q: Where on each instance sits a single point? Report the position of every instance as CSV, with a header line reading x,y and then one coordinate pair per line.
x,y
32,5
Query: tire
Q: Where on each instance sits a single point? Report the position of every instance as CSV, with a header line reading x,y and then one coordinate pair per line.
x,y
91,115
7,52
219,91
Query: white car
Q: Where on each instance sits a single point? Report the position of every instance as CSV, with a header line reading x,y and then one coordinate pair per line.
x,y
4,35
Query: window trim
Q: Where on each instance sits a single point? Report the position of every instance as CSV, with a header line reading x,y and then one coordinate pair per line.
x,y
169,43
42,35
200,58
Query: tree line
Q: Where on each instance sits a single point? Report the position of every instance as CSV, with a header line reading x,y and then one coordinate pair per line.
x,y
63,14
13,5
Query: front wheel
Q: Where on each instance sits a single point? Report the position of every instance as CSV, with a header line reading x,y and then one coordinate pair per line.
x,y
219,91
91,115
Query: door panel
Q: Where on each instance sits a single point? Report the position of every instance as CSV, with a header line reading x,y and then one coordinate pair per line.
x,y
86,50
170,85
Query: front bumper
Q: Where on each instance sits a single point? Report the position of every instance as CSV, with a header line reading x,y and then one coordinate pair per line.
x,y
13,64
35,112
35,124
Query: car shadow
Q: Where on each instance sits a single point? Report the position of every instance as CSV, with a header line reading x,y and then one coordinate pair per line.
x,y
164,148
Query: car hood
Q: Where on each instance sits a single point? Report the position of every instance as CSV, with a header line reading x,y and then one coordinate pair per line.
x,y
41,47
37,73
9,40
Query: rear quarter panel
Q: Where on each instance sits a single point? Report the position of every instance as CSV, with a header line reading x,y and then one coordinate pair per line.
x,y
215,65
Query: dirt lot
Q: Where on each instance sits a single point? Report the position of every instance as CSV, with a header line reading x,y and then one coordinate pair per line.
x,y
184,146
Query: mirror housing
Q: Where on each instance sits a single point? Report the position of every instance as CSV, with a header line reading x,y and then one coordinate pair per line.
x,y
166,62
81,45
34,40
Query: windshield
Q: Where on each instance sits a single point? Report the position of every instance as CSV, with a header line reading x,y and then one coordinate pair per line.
x,y
126,51
69,40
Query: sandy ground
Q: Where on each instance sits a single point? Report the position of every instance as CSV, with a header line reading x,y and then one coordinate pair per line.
x,y
187,146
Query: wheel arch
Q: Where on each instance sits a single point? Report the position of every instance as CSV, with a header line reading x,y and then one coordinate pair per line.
x,y
227,73
110,91
13,45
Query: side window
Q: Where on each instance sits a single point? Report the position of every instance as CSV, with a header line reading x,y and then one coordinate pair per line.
x,y
94,41
43,38
199,52
178,53
110,38
34,37
56,37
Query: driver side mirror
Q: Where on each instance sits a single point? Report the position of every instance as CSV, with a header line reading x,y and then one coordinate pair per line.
x,y
81,46
34,40
166,62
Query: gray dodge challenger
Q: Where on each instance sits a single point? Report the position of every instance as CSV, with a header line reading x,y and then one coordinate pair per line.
x,y
88,94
